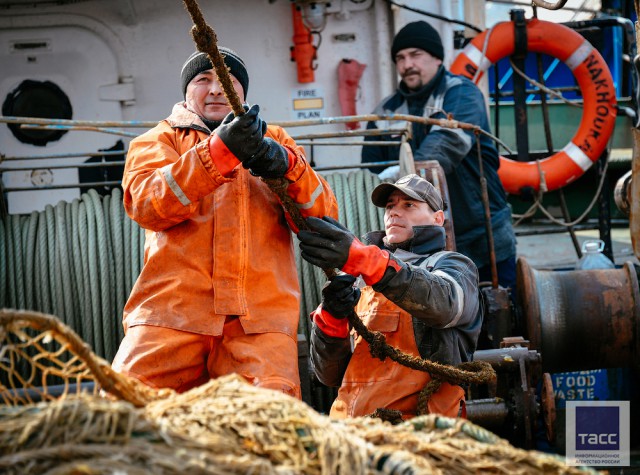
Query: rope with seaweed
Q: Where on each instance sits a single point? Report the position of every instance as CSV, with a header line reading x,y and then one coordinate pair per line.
x,y
228,426
478,372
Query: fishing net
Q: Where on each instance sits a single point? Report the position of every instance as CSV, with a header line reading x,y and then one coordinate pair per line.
x,y
41,359
226,426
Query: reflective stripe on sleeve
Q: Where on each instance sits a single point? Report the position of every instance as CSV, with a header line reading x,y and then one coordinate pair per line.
x,y
314,196
166,172
459,297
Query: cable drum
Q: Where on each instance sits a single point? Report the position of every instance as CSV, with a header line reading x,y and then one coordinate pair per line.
x,y
68,260
80,259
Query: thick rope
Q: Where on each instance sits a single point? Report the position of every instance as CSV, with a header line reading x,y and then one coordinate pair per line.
x,y
465,373
206,40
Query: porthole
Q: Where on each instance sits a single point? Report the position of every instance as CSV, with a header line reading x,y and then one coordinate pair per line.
x,y
42,99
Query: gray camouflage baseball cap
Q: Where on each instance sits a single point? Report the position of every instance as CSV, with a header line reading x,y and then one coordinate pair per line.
x,y
411,185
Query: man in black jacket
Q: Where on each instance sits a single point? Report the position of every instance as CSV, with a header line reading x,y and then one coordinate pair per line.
x,y
427,89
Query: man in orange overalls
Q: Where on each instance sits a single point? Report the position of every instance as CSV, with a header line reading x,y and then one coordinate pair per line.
x,y
218,292
423,299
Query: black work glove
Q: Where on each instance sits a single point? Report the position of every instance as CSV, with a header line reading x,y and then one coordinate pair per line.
x,y
243,135
339,296
270,161
326,244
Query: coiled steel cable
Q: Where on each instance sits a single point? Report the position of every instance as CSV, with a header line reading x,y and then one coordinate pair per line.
x,y
80,259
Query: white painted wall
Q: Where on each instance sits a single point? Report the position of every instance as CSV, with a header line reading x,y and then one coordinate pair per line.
x,y
98,42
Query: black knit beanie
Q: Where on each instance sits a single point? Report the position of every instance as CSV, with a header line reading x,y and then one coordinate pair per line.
x,y
199,62
418,34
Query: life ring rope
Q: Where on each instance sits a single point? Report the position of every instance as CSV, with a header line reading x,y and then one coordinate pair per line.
x,y
596,86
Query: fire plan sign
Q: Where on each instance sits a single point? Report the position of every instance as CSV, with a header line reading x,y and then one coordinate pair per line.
x,y
308,103
597,433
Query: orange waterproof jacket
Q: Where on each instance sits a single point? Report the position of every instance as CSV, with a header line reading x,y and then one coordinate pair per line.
x,y
370,383
215,245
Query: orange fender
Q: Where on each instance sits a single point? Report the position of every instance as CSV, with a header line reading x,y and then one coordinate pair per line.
x,y
596,86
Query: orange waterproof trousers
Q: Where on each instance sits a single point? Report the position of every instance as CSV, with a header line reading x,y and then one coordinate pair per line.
x,y
167,358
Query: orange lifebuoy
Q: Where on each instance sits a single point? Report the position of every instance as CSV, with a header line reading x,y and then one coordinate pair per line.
x,y
596,86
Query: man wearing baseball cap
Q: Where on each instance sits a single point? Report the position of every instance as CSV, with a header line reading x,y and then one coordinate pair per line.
x,y
427,89
425,301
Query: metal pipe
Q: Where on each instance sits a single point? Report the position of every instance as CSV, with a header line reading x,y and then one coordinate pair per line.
x,y
65,186
65,155
80,128
343,133
487,218
604,205
341,144
542,232
448,123
357,165
507,359
89,123
54,167
528,4
488,413
537,90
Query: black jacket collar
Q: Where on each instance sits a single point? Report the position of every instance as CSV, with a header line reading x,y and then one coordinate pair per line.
x,y
426,240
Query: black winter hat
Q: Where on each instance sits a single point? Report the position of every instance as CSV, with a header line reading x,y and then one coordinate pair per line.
x,y
199,62
418,34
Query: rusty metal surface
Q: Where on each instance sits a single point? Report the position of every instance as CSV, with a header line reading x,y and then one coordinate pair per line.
x,y
581,320
509,406
634,212
507,359
548,404
497,323
622,193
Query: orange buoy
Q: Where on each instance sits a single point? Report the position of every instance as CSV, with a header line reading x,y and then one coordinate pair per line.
x,y
596,85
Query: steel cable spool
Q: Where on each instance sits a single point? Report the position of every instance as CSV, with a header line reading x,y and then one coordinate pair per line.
x,y
116,214
42,276
78,273
68,261
17,256
85,276
357,186
100,242
8,261
80,260
63,266
52,284
3,261
109,322
92,260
